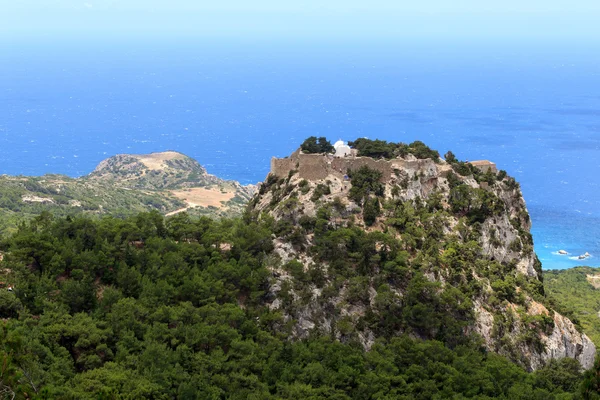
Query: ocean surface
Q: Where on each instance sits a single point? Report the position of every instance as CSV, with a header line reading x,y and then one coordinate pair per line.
x,y
533,109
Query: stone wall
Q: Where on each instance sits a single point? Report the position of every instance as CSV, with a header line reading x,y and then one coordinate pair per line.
x,y
342,165
485,165
282,166
318,166
314,166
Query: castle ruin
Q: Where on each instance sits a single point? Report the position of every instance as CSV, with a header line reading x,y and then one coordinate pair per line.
x,y
484,165
315,167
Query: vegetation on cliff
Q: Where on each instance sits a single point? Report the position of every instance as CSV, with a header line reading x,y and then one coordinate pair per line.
x,y
447,248
417,285
578,291
148,307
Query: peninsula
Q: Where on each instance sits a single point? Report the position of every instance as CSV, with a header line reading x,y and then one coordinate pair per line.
x,y
124,185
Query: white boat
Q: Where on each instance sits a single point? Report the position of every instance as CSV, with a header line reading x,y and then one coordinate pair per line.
x,y
584,256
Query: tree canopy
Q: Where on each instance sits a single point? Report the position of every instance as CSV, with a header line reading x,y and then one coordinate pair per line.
x,y
147,307
388,150
314,145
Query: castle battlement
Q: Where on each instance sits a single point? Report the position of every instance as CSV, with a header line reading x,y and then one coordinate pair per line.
x,y
314,167
484,165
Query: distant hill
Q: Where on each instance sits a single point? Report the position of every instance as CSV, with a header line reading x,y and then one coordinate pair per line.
x,y
123,185
155,171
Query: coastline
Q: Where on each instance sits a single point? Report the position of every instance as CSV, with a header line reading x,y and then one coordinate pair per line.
x,y
555,230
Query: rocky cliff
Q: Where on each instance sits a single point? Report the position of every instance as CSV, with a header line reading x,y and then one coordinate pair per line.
x,y
372,248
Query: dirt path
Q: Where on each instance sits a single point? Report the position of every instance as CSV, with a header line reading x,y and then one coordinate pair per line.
x,y
201,197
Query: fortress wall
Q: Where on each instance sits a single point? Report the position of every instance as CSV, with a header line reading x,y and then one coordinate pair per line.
x,y
314,166
318,166
485,165
342,165
281,167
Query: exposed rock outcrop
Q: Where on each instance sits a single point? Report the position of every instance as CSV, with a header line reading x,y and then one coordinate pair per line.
x,y
456,225
534,341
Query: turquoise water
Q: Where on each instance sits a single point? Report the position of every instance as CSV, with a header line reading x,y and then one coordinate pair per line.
x,y
534,110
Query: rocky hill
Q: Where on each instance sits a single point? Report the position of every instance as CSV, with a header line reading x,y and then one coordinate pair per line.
x,y
156,171
122,185
391,239
578,290
385,272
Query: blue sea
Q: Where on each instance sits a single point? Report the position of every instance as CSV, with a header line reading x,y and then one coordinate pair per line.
x,y
534,109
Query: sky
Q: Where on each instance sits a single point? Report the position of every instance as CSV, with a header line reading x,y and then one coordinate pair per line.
x,y
312,19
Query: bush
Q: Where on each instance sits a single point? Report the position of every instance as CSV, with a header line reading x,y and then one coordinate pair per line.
x,y
505,289
9,304
477,204
365,181
422,151
319,191
450,157
462,168
371,210
312,145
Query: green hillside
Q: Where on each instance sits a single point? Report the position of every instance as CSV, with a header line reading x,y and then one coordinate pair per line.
x,y
578,289
403,276
121,186
148,308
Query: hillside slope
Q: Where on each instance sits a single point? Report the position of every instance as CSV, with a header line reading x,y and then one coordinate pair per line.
x,y
388,242
122,185
398,277
578,290
149,307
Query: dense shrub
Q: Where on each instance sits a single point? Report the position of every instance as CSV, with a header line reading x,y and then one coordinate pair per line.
x,y
148,307
378,148
313,145
365,182
421,150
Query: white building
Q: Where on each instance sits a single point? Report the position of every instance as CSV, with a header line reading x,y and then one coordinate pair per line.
x,y
342,149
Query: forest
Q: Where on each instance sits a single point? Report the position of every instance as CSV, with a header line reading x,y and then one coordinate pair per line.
x,y
153,308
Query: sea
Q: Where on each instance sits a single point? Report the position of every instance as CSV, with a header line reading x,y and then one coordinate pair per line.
x,y
532,108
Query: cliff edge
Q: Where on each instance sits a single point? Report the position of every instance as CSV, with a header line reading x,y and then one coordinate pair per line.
x,y
378,243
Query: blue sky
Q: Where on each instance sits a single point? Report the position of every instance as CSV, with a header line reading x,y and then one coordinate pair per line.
x,y
536,19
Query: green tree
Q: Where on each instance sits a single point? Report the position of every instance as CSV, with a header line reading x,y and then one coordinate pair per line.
x,y
421,150
450,157
314,145
365,182
371,210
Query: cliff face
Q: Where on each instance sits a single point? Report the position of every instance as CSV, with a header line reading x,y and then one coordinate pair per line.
x,y
362,242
